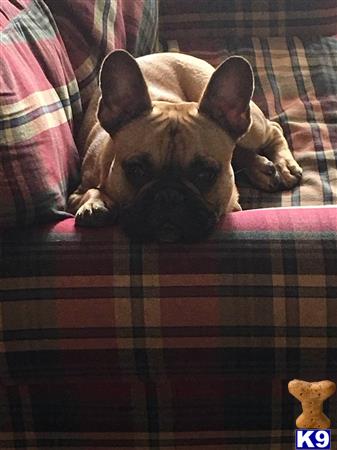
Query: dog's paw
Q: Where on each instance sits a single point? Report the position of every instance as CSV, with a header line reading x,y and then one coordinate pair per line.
x,y
94,214
274,176
289,171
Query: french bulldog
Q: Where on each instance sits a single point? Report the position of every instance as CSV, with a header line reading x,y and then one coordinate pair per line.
x,y
160,138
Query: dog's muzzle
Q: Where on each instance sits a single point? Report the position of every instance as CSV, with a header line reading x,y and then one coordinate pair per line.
x,y
167,212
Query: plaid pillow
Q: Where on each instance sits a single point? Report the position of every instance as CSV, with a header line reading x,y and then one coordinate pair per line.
x,y
218,18
39,100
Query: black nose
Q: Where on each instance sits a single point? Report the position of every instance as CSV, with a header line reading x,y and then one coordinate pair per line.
x,y
169,233
169,197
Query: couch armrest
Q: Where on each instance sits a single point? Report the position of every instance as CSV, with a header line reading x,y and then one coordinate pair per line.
x,y
266,281
112,340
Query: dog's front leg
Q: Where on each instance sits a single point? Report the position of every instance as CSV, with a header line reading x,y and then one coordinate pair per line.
x,y
277,151
92,208
268,161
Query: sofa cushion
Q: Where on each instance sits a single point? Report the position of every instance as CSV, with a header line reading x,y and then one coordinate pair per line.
x,y
39,100
218,18
295,85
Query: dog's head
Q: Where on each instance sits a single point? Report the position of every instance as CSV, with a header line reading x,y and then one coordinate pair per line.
x,y
168,165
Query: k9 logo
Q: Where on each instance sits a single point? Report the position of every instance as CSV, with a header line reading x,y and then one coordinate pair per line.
x,y
313,439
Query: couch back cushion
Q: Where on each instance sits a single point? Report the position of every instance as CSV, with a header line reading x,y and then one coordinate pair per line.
x,y
218,18
39,101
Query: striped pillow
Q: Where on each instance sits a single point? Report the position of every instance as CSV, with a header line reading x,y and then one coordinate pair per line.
x,y
218,18
39,101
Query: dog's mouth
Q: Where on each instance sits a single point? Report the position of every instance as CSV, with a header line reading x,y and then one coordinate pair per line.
x,y
168,213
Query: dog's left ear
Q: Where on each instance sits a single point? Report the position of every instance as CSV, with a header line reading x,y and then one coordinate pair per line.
x,y
124,92
227,96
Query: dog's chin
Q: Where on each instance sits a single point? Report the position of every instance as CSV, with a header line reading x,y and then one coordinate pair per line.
x,y
149,228
167,215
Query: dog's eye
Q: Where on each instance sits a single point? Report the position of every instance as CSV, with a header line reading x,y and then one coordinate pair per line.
x,y
137,172
203,172
206,176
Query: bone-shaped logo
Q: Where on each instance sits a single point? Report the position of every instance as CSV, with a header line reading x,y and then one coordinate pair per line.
x,y
312,396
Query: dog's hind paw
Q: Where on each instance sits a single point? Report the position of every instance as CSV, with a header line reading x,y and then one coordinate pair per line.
x,y
94,214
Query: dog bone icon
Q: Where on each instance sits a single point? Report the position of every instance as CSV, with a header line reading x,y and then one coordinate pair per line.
x,y
312,396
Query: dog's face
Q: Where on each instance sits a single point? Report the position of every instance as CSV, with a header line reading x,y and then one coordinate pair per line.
x,y
168,165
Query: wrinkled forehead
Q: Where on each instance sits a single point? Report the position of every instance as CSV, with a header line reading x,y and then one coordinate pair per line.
x,y
182,138
174,135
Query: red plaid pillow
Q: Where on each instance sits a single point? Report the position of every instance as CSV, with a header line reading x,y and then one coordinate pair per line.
x,y
39,100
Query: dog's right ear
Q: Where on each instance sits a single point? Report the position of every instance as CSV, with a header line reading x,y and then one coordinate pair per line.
x,y
227,96
124,91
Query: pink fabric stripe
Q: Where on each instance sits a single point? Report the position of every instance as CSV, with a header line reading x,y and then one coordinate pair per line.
x,y
28,73
9,10
283,219
273,219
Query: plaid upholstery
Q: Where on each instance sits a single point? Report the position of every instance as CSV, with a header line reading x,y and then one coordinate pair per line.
x,y
39,100
263,18
91,29
106,343
296,85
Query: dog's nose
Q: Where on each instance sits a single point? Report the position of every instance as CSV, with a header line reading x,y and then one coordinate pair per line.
x,y
169,196
169,233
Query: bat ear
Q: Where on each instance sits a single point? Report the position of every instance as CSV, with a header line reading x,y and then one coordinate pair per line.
x,y
124,91
227,95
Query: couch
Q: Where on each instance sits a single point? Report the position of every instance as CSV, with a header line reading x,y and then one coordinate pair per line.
x,y
107,343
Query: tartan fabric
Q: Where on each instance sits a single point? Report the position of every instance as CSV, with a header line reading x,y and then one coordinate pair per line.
x,y
296,85
104,319
107,343
91,29
39,100
263,18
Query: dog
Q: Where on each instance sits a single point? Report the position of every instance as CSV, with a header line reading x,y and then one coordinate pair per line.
x,y
160,138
